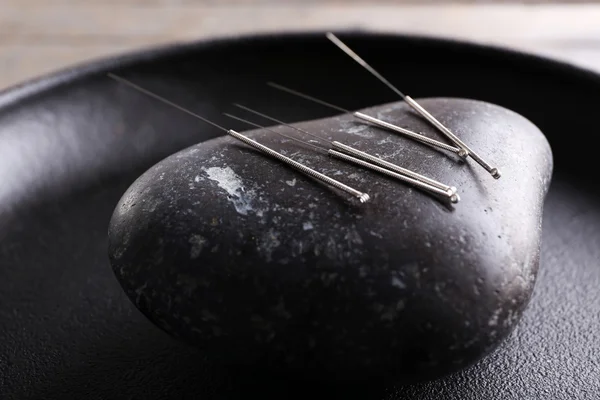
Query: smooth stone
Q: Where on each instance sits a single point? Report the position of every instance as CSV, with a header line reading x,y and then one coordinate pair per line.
x,y
261,266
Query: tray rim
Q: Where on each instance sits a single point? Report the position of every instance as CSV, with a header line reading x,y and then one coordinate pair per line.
x,y
19,92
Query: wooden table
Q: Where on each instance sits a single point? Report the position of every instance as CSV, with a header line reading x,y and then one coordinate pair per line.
x,y
40,36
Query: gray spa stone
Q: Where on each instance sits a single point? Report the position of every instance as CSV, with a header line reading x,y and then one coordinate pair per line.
x,y
261,266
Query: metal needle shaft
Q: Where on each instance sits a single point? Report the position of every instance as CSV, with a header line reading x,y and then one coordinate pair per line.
x,y
362,159
375,121
452,197
274,131
349,150
162,99
362,197
413,135
416,106
393,167
362,62
425,114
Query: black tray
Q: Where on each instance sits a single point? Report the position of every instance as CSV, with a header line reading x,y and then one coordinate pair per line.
x,y
70,144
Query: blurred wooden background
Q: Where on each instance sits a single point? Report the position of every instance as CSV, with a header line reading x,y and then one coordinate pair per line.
x,y
41,36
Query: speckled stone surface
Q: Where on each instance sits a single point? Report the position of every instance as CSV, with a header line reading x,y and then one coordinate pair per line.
x,y
260,265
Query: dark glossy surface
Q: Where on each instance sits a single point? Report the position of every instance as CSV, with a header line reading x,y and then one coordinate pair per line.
x,y
68,151
260,266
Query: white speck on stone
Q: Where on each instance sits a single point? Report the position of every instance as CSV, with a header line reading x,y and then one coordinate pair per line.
x,y
268,244
292,182
398,283
119,252
140,292
197,243
360,130
353,237
494,319
307,226
197,178
385,141
377,235
228,180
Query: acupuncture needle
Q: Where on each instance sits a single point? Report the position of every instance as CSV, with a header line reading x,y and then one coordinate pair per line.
x,y
415,106
358,153
362,197
375,121
449,194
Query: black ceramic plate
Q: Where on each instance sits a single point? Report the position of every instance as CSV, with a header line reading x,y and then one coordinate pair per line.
x,y
70,145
